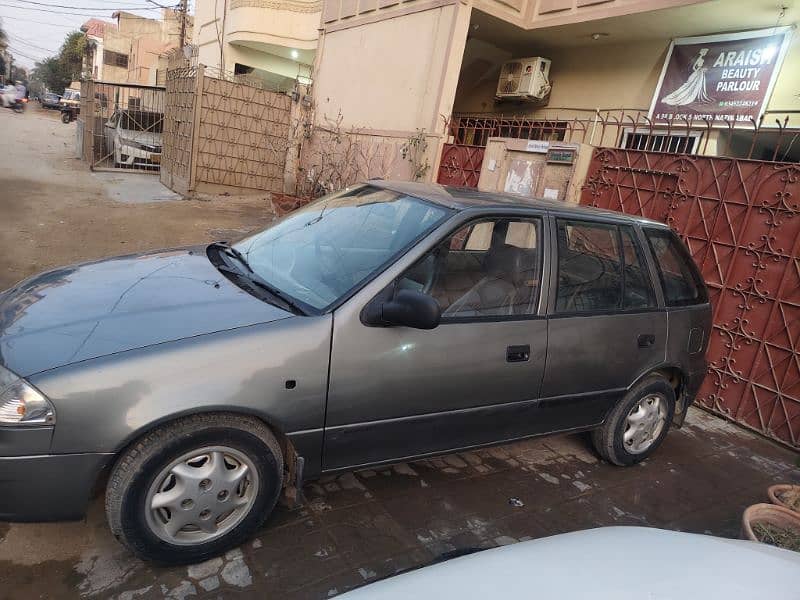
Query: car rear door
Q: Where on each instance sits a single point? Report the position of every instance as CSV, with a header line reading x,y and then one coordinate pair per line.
x,y
397,392
687,305
606,324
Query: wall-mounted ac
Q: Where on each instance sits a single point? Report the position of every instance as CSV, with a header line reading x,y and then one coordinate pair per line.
x,y
525,79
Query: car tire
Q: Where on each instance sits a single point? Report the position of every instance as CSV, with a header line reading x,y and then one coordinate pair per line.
x,y
138,477
631,432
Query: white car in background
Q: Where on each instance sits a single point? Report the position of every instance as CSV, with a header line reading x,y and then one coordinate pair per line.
x,y
133,138
611,563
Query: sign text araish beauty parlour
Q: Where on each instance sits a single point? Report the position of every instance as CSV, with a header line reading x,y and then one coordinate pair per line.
x,y
726,77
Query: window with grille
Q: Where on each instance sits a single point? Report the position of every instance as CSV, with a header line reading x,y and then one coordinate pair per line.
x,y
661,141
115,59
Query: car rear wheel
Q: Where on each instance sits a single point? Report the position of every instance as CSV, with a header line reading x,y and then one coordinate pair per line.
x,y
194,488
638,424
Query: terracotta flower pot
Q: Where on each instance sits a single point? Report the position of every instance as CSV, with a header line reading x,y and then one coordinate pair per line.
x,y
768,514
776,491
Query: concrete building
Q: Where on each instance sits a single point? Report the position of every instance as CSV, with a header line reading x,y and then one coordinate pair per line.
x,y
392,68
274,41
133,49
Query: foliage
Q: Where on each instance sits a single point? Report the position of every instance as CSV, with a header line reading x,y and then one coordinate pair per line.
x,y
71,54
335,158
52,74
415,151
57,72
781,537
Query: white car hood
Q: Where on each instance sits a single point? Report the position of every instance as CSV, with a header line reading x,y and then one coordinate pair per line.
x,y
142,137
612,563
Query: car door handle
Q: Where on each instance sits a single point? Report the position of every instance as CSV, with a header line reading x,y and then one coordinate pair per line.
x,y
647,340
518,353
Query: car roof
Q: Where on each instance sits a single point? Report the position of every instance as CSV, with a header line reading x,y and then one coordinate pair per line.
x,y
463,198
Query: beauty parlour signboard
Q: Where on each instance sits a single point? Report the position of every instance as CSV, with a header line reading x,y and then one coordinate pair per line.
x,y
723,78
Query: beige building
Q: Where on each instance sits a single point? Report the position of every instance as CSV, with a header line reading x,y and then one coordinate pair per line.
x,y
133,49
273,41
392,69
422,61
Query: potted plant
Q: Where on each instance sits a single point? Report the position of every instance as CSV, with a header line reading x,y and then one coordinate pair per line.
x,y
772,524
786,495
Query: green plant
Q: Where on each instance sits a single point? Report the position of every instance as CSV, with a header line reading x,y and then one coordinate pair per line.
x,y
415,151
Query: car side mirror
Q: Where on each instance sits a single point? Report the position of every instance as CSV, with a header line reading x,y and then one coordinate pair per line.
x,y
407,308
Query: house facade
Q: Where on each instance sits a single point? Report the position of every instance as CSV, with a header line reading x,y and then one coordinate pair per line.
x,y
271,41
133,49
392,68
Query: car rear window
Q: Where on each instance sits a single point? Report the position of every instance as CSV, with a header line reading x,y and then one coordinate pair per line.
x,y
680,278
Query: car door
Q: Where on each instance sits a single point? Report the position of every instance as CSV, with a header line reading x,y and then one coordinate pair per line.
x,y
605,325
397,392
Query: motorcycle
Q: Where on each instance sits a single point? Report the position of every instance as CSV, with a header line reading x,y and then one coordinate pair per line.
x,y
19,106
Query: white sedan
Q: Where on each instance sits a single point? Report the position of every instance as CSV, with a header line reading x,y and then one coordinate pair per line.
x,y
133,138
611,563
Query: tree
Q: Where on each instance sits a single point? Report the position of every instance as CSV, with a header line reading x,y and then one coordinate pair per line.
x,y
71,54
57,72
52,74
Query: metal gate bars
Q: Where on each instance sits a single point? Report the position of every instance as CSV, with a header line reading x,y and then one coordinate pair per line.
x,y
741,221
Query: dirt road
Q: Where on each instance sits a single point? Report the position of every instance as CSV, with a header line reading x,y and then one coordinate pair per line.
x,y
53,211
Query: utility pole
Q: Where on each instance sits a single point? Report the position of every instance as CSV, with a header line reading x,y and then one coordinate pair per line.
x,y
184,14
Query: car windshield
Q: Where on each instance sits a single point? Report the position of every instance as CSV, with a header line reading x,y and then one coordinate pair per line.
x,y
321,252
135,120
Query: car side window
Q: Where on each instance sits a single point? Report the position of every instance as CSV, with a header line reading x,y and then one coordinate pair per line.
x,y
682,283
487,269
638,288
589,267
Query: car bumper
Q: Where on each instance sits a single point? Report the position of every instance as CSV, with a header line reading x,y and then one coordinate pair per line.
x,y
48,487
129,155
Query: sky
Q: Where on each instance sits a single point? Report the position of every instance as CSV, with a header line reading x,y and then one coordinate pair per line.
x,y
36,28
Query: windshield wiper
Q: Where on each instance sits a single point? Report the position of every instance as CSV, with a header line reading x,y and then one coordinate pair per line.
x,y
272,290
229,250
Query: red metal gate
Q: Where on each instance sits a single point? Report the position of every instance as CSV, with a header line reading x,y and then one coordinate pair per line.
x,y
461,165
741,221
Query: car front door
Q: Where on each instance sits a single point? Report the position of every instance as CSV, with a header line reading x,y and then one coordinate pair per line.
x,y
606,328
397,392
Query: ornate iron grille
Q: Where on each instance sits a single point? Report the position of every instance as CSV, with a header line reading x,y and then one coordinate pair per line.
x,y
741,221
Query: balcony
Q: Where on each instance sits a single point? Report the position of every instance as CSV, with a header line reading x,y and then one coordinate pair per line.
x,y
264,24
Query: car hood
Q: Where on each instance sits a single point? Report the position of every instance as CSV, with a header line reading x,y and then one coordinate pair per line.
x,y
148,138
600,564
94,309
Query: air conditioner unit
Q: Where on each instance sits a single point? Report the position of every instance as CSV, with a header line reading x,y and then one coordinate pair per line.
x,y
525,79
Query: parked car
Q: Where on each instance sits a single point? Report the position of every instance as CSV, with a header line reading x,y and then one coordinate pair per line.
x,y
51,101
381,323
133,138
585,565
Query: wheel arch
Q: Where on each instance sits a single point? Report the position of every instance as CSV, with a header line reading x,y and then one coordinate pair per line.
x,y
677,378
287,447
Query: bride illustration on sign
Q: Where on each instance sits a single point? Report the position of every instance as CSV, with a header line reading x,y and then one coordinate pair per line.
x,y
694,90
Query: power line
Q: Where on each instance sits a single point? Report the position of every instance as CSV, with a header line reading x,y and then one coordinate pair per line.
x,y
16,51
20,40
99,12
105,5
38,22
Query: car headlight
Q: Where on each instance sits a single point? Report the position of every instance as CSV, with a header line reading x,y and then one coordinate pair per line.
x,y
21,403
131,143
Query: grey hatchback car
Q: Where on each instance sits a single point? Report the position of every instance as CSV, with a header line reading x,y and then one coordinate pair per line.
x,y
386,322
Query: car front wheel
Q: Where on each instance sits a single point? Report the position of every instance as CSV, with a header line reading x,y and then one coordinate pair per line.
x,y
194,488
636,427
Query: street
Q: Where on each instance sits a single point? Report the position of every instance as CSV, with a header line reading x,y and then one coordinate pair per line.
x,y
351,529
